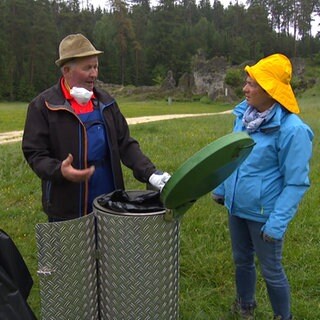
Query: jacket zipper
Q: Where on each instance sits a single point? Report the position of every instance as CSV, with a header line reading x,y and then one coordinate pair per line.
x,y
84,161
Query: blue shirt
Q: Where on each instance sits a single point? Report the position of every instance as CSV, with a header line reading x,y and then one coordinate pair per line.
x,y
101,181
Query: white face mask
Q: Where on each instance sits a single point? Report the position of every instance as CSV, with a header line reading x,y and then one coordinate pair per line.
x,y
81,95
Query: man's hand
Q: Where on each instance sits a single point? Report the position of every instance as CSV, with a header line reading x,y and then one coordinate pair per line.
x,y
72,174
159,179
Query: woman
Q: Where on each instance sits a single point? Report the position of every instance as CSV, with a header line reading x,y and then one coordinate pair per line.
x,y
262,196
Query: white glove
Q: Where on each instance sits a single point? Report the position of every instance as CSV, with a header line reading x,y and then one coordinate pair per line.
x,y
159,179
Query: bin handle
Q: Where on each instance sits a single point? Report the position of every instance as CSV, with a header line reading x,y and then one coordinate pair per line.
x,y
45,271
177,213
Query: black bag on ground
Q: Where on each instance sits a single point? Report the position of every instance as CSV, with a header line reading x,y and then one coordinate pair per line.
x,y
15,282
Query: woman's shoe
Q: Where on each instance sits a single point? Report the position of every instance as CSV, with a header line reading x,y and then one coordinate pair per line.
x,y
245,311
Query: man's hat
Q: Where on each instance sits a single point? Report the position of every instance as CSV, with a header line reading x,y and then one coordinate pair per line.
x,y
273,74
75,46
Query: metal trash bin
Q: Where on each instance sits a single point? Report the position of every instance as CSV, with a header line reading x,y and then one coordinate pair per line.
x,y
137,268
138,263
67,269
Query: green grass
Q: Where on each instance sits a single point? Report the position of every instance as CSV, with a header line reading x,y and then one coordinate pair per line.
x,y
12,115
132,108
206,282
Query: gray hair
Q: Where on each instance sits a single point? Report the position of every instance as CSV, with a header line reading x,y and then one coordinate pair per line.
x,y
71,63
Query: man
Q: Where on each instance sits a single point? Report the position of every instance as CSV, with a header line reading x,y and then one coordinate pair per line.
x,y
263,195
75,137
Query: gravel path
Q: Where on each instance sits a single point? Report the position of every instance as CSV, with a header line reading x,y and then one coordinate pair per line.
x,y
15,136
12,136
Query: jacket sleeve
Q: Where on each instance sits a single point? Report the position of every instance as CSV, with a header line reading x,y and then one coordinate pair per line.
x,y
131,154
219,190
295,149
36,143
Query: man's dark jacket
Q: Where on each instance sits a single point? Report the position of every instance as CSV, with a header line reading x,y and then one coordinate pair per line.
x,y
52,131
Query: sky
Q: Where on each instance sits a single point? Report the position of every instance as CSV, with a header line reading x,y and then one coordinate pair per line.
x,y
315,24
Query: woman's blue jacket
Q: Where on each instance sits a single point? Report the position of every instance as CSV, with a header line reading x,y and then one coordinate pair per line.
x,y
270,183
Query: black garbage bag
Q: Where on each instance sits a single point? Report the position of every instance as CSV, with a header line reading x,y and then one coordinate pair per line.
x,y
15,282
135,202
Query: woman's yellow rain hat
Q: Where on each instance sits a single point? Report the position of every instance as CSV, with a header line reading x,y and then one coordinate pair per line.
x,y
273,74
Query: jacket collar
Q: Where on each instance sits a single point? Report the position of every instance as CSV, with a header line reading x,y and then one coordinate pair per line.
x,y
273,120
55,98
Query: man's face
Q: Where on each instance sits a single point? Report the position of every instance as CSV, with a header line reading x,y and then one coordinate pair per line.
x,y
81,72
256,96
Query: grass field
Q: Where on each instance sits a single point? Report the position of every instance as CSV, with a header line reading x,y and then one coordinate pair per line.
x,y
206,282
13,114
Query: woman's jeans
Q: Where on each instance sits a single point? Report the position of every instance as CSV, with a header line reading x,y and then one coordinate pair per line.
x,y
247,241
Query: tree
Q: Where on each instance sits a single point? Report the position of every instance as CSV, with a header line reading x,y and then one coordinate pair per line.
x,y
143,42
16,21
125,34
105,33
40,70
7,57
140,17
257,32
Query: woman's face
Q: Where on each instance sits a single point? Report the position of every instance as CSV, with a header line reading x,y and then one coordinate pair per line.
x,y
256,96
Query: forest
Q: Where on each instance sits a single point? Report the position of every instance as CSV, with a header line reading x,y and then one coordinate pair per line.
x,y
142,42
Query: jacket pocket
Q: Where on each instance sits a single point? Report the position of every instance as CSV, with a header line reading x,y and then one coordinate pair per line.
x,y
247,196
46,194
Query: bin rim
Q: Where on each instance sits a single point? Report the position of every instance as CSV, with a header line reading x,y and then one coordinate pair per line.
x,y
99,208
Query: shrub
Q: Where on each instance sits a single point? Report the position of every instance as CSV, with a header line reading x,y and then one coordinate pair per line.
x,y
234,77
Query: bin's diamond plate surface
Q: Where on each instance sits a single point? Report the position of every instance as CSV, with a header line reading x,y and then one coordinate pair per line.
x,y
138,267
67,269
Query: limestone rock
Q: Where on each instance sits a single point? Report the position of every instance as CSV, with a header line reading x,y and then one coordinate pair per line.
x,y
169,82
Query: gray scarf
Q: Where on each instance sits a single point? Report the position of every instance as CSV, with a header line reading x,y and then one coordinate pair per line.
x,y
252,118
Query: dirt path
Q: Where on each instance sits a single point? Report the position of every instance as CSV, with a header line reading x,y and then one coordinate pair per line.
x,y
12,136
15,136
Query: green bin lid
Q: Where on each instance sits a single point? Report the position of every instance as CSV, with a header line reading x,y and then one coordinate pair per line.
x,y
204,171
